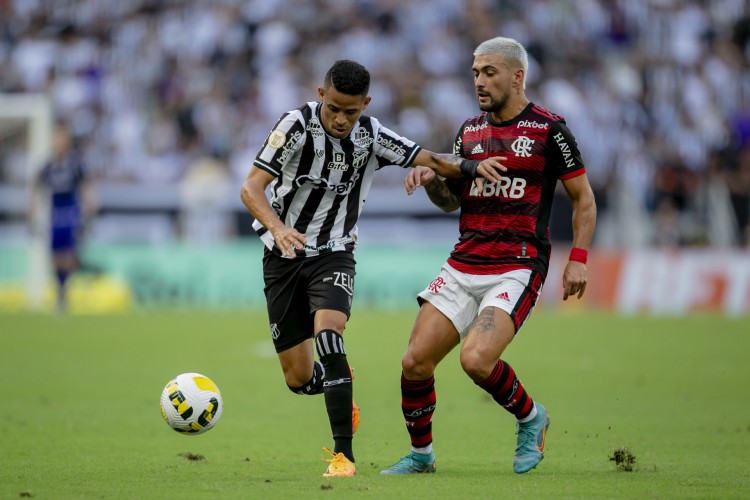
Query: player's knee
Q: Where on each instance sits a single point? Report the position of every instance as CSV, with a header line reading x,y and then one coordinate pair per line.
x,y
303,387
475,365
295,377
294,382
296,390
416,368
304,390
314,385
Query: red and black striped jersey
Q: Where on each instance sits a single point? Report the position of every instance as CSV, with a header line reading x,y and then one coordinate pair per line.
x,y
505,226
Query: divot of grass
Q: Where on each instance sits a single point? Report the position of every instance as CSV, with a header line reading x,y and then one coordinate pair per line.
x,y
624,459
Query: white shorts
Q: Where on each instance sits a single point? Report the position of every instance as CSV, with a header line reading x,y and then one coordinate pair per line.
x,y
461,297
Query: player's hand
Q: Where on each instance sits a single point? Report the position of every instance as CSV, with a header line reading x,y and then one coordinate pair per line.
x,y
491,167
288,240
489,170
418,176
575,278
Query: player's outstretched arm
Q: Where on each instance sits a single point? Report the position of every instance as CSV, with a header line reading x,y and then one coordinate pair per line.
x,y
454,167
575,276
253,195
436,189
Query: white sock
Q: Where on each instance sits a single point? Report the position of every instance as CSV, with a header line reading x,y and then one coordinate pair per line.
x,y
529,416
425,450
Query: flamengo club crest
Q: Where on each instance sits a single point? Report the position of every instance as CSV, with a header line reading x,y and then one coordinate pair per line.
x,y
522,146
436,285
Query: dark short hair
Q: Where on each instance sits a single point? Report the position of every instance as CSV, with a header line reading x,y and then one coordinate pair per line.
x,y
348,77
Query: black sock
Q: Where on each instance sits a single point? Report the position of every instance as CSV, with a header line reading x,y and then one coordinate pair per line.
x,y
62,277
337,389
314,385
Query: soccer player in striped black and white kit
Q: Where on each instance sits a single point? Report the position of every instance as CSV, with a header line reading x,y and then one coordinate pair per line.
x,y
494,275
320,160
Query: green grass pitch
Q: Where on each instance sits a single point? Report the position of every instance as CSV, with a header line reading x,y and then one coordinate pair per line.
x,y
80,415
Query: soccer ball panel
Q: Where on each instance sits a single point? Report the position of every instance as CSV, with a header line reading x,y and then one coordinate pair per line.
x,y
191,403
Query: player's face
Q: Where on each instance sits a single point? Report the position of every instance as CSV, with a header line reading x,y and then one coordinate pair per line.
x,y
339,112
493,81
61,142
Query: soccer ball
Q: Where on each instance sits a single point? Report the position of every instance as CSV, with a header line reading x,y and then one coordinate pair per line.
x,y
191,403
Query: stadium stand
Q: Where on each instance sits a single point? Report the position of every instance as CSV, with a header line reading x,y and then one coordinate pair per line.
x,y
657,93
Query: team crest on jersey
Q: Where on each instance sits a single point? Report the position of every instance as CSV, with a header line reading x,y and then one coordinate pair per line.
x,y
360,158
276,139
522,146
362,138
320,153
315,128
338,163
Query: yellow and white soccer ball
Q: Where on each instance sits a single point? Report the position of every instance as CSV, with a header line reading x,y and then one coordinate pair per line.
x,y
191,403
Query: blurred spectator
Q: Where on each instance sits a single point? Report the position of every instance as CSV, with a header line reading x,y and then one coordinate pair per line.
x,y
204,191
156,84
667,230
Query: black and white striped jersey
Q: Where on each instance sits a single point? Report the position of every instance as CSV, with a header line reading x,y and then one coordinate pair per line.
x,y
321,181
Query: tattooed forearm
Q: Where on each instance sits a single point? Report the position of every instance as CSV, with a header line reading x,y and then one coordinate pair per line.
x,y
452,160
441,196
447,165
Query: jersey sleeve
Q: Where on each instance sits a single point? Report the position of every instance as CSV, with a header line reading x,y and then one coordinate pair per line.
x,y
458,143
456,186
565,158
286,138
393,149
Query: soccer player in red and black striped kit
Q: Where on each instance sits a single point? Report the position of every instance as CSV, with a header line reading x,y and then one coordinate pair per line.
x,y
493,277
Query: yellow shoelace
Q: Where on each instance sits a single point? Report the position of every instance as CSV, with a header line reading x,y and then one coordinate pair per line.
x,y
338,461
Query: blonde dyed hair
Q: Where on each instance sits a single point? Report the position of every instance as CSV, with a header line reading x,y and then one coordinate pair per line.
x,y
511,51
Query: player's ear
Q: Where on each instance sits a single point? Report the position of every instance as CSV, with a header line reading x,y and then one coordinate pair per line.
x,y
321,93
366,102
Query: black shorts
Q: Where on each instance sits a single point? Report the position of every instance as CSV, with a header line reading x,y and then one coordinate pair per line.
x,y
296,288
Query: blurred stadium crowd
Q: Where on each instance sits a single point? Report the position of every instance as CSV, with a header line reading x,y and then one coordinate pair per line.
x,y
656,91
